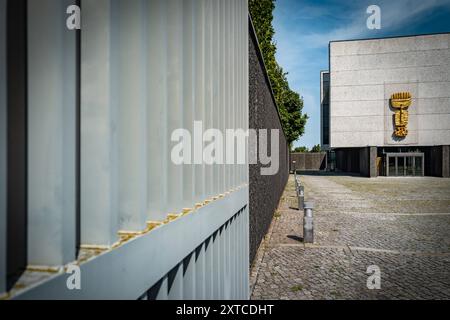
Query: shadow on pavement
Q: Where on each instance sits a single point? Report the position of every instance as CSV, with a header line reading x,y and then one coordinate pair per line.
x,y
296,238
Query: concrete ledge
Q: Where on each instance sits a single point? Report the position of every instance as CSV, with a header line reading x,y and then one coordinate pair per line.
x,y
131,269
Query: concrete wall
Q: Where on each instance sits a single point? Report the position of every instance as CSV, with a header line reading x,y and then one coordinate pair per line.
x,y
445,161
437,161
308,161
364,74
367,161
265,191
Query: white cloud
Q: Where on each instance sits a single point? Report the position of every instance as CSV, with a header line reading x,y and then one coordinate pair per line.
x,y
394,15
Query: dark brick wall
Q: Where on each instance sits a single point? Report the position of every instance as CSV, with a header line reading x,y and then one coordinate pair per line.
x,y
437,161
309,161
265,191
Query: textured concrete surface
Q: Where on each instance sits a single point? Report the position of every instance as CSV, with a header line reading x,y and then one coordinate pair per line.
x,y
402,225
308,161
364,74
264,191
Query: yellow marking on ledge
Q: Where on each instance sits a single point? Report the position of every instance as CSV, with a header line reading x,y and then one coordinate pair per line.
x,y
187,211
198,205
152,225
5,296
44,269
129,233
125,237
119,242
19,286
95,247
172,216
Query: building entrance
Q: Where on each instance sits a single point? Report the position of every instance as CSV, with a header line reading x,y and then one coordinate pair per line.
x,y
405,164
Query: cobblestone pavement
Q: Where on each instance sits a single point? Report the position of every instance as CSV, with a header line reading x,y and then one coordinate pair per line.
x,y
401,225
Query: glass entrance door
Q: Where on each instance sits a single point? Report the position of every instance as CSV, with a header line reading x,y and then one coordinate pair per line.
x,y
409,166
404,164
401,166
418,166
392,166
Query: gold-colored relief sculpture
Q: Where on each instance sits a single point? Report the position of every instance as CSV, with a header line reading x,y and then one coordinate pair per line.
x,y
400,102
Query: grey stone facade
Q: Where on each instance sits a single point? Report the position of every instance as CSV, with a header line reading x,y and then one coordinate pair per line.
x,y
363,75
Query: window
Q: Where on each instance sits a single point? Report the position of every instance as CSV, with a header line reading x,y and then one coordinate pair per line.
x,y
326,123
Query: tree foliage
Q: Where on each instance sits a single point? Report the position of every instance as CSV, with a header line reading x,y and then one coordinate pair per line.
x,y
315,148
301,149
289,102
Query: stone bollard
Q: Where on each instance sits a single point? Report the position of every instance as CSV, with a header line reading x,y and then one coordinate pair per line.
x,y
308,223
297,184
295,170
301,196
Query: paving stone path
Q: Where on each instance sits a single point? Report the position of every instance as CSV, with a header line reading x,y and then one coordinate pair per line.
x,y
401,225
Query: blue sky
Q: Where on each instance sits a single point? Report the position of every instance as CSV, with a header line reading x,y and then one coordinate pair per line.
x,y
303,29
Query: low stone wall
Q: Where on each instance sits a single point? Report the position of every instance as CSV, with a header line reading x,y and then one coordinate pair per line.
x,y
265,191
308,161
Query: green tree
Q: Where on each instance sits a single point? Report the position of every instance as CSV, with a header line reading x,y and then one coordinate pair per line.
x,y
289,102
316,148
301,149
